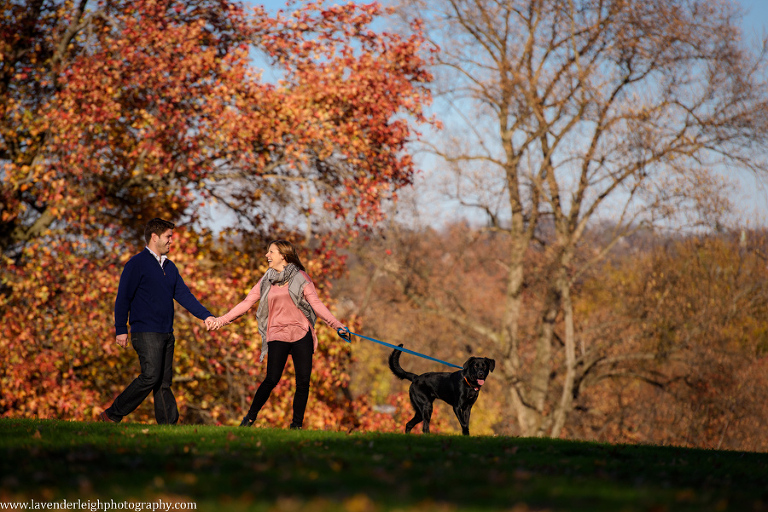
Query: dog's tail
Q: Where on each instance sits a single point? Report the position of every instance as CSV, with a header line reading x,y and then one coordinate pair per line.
x,y
394,365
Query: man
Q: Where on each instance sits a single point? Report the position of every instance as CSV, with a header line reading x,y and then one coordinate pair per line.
x,y
148,285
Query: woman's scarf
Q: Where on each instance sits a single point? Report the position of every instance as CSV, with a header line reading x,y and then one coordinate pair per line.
x,y
295,290
280,278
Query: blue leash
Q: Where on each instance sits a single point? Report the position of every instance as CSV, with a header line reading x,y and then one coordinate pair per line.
x,y
403,349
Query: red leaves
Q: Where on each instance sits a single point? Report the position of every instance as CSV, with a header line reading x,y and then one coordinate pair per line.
x,y
343,86
153,109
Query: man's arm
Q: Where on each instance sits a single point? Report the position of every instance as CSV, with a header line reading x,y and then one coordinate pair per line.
x,y
129,282
184,296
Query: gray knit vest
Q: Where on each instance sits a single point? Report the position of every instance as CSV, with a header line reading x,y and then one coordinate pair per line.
x,y
296,291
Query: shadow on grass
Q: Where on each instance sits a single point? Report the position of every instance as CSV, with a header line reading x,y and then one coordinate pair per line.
x,y
224,468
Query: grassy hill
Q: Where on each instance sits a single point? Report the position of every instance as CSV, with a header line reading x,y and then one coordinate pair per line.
x,y
225,468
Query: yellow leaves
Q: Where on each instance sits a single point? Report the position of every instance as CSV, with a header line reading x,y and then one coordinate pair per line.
x,y
43,293
319,108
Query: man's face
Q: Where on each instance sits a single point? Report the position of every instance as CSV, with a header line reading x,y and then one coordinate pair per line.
x,y
163,242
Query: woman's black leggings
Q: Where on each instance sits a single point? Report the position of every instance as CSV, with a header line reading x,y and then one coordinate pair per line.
x,y
277,356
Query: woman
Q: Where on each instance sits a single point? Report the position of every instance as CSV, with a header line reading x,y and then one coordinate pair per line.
x,y
288,308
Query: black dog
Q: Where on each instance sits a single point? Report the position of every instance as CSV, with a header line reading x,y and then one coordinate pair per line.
x,y
459,389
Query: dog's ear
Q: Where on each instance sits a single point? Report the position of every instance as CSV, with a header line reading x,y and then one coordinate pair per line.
x,y
468,362
491,364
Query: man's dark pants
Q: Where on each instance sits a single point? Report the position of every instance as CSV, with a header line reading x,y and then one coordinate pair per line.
x,y
155,352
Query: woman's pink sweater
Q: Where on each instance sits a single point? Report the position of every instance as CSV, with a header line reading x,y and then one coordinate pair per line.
x,y
286,322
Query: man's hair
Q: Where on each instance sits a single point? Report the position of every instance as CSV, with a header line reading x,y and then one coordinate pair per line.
x,y
157,226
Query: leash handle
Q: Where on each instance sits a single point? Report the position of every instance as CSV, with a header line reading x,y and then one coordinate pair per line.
x,y
401,349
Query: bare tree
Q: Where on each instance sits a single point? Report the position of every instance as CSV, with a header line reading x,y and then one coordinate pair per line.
x,y
578,111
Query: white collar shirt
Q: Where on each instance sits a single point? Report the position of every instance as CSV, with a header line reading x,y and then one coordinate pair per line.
x,y
160,259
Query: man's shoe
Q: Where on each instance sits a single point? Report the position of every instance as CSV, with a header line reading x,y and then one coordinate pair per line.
x,y
103,417
247,422
295,426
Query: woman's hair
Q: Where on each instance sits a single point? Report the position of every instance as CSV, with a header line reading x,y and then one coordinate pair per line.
x,y
288,251
158,227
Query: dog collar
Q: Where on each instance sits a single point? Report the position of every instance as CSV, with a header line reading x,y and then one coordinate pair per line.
x,y
476,388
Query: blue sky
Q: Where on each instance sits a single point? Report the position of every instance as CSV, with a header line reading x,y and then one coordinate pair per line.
x,y
756,20
752,199
758,9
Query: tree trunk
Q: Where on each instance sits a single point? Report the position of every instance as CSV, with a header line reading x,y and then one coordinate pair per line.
x,y
566,397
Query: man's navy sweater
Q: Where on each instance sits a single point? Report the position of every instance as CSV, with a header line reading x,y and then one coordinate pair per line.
x,y
147,291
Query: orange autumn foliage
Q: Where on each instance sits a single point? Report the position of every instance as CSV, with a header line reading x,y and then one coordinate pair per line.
x,y
116,112
672,331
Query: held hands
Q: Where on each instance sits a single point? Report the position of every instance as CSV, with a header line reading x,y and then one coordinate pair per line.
x,y
344,334
212,324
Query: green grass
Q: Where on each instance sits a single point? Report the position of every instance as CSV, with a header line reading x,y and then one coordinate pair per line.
x,y
225,468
